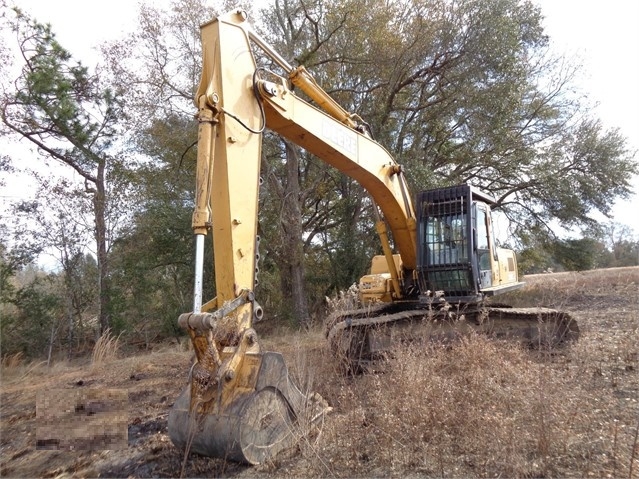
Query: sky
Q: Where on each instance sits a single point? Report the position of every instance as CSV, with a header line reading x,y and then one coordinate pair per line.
x,y
602,35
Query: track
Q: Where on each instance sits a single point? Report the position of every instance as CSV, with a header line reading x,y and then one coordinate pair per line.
x,y
361,338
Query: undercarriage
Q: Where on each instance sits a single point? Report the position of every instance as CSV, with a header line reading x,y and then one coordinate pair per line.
x,y
362,338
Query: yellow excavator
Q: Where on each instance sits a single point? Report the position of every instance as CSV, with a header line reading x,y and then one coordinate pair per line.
x,y
240,403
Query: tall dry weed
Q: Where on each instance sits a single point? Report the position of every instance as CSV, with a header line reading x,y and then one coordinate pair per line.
x,y
12,361
106,348
306,373
474,408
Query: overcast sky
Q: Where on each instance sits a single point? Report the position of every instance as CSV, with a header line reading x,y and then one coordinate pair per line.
x,y
603,35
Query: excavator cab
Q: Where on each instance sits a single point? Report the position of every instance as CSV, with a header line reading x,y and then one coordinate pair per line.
x,y
457,254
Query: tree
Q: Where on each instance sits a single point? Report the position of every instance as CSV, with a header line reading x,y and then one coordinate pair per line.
x,y
33,328
7,272
620,242
158,67
467,92
604,245
579,254
58,223
72,118
152,263
29,304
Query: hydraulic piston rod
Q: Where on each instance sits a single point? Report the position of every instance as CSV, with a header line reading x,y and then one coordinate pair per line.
x,y
199,269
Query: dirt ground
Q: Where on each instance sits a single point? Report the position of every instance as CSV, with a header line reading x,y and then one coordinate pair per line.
x,y
597,439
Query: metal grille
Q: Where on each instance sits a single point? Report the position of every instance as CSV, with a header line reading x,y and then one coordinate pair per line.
x,y
445,241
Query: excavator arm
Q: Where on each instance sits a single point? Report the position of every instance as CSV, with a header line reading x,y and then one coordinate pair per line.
x,y
351,152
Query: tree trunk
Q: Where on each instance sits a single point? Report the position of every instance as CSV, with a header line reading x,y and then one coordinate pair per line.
x,y
99,204
292,262
298,293
69,308
51,340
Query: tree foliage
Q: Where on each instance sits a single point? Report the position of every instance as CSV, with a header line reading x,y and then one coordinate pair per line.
x,y
605,245
58,307
466,92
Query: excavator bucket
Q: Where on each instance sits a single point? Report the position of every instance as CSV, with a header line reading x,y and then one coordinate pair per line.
x,y
240,403
263,419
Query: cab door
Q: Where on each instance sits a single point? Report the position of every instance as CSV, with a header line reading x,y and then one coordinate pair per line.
x,y
482,245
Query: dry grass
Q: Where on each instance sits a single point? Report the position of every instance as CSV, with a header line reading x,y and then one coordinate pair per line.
x,y
476,409
305,374
12,361
106,348
604,288
480,408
